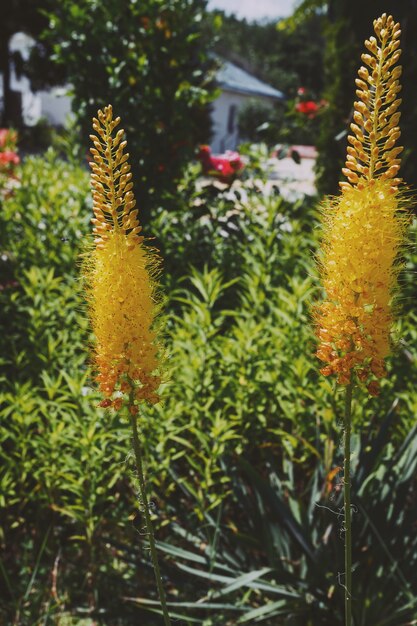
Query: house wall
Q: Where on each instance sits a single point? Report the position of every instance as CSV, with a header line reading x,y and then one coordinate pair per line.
x,y
56,105
225,115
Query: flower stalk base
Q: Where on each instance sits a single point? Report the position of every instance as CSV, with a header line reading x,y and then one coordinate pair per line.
x,y
347,506
148,521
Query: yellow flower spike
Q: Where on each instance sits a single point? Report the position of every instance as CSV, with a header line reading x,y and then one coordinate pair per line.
x,y
120,275
122,299
363,235
364,227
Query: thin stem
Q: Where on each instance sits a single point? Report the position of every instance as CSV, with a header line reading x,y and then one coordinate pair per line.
x,y
347,509
148,521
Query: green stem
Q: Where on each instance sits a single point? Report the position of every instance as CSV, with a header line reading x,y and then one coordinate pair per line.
x,y
149,526
347,508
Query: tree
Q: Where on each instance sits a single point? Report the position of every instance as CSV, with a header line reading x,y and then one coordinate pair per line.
x,y
286,58
149,60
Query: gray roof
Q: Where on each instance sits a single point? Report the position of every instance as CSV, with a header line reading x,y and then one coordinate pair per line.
x,y
232,78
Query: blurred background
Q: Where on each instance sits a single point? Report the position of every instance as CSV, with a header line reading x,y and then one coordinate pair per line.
x,y
236,116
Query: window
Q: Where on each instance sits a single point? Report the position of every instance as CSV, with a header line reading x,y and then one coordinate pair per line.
x,y
231,121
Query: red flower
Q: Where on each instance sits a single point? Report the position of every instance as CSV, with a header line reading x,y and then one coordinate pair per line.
x,y
308,108
9,157
224,166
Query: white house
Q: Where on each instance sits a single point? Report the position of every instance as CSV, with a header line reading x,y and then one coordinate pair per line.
x,y
237,89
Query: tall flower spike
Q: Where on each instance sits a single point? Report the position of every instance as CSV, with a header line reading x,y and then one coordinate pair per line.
x,y
119,274
364,227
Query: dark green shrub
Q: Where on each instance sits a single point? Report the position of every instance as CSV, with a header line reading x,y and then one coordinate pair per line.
x,y
278,557
149,60
280,124
242,387
286,58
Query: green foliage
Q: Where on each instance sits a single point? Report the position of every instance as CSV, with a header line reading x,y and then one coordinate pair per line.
x,y
149,60
259,122
279,124
44,222
286,58
304,11
65,489
242,445
279,559
63,479
283,57
240,344
42,228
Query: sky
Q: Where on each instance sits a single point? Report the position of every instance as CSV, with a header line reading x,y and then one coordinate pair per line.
x,y
255,9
